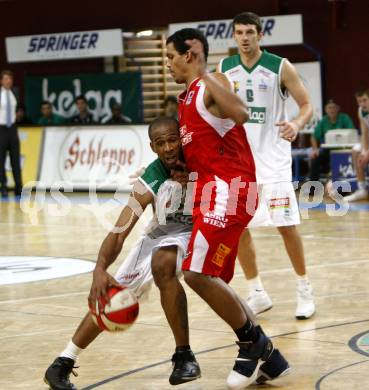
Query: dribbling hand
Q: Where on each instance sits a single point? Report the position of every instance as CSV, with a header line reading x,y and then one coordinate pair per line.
x,y
100,284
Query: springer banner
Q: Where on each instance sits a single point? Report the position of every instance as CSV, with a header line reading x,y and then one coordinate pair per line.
x,y
100,90
63,46
277,30
94,157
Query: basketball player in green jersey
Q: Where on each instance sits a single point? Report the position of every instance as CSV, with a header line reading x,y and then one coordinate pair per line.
x,y
157,256
264,80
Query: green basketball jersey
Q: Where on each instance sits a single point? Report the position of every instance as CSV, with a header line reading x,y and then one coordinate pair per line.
x,y
168,218
259,87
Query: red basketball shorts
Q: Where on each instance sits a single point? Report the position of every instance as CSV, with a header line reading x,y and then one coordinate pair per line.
x,y
212,249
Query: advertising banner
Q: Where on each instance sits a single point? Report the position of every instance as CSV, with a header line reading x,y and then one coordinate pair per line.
x,y
100,90
88,157
63,46
278,30
30,146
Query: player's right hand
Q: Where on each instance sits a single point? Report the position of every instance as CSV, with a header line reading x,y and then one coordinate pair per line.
x,y
100,283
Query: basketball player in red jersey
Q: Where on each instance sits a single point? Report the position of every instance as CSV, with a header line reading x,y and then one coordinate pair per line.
x,y
219,158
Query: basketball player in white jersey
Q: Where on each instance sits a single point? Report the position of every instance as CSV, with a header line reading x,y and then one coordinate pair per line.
x,y
157,256
264,80
360,150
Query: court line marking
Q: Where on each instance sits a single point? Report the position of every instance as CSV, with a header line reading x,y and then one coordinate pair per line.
x,y
317,385
127,373
237,274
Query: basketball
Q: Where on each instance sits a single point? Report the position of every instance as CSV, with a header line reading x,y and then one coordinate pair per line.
x,y
120,314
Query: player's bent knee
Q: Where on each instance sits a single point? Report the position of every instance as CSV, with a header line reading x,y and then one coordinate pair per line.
x,y
193,279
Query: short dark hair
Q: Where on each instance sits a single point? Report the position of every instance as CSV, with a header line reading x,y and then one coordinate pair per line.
x,y
170,99
44,102
361,92
162,120
180,37
80,97
6,72
248,18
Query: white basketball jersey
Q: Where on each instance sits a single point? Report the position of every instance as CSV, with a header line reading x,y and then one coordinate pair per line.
x,y
259,87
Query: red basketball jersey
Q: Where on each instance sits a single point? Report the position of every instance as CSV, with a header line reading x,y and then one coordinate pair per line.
x,y
217,149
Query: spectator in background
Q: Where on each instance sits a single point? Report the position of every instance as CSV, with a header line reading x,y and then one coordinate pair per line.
x,y
9,139
21,118
334,119
360,150
48,118
84,117
171,107
117,117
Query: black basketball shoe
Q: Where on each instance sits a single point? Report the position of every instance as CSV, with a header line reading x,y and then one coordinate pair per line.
x,y
251,355
57,375
185,368
274,367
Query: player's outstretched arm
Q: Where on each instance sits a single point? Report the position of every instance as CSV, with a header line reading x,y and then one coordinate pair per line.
x,y
292,82
113,242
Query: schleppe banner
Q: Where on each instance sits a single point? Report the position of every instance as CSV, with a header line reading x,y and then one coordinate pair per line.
x,y
63,46
94,157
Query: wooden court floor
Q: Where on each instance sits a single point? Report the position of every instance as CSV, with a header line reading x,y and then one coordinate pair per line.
x,y
37,319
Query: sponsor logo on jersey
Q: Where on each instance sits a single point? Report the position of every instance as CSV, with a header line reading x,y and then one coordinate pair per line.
x,y
190,97
215,220
221,254
233,71
249,83
257,115
186,136
263,86
236,86
265,73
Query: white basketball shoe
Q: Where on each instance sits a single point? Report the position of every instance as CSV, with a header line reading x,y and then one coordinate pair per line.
x,y
259,301
360,194
305,301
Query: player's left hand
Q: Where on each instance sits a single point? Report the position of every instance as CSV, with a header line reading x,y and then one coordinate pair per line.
x,y
179,173
197,50
288,130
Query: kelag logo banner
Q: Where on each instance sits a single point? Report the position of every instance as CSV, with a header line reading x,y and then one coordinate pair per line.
x,y
100,90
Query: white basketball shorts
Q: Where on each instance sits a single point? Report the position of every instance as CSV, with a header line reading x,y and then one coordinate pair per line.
x,y
135,271
277,206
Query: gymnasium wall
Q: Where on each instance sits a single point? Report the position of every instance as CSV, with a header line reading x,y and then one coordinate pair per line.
x,y
336,29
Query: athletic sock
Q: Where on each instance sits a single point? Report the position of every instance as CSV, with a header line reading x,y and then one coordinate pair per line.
x,y
302,280
255,284
247,332
72,351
